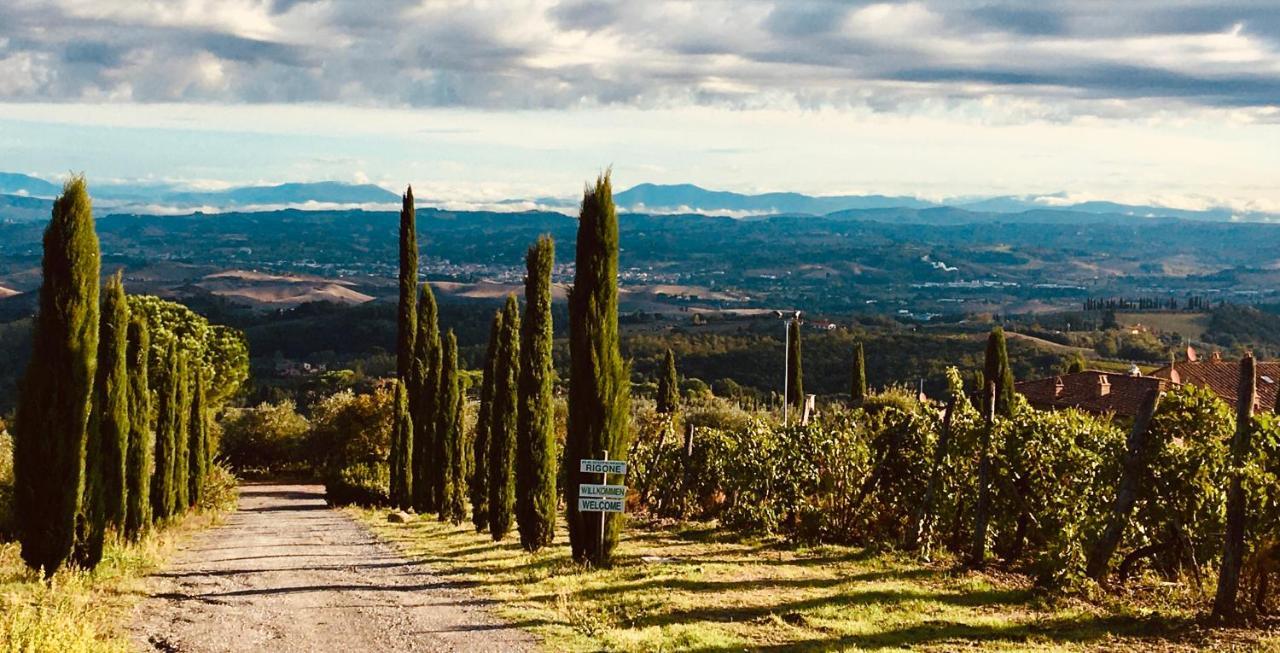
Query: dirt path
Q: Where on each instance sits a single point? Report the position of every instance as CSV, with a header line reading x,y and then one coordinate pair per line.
x,y
285,573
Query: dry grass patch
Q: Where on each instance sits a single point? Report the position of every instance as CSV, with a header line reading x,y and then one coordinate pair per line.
x,y
79,611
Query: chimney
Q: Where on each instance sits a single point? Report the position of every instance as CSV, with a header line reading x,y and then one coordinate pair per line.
x,y
1058,387
1104,386
1216,357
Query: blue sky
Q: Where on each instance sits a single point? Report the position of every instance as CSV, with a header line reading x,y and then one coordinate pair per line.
x,y
1172,102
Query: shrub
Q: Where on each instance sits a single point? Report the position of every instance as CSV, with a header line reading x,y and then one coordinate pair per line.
x,y
361,484
350,443
6,484
264,439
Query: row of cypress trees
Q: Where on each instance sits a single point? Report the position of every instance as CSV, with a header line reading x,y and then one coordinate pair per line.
x,y
86,461
511,459
515,447
513,475
429,449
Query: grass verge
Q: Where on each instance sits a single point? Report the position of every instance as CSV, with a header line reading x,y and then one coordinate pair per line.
x,y
692,588
78,611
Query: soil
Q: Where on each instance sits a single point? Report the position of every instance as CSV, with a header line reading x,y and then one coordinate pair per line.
x,y
287,573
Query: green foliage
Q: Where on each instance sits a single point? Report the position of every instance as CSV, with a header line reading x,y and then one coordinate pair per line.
x,y
668,384
182,437
535,416
141,454
350,441
402,447
424,384
1182,513
107,442
199,454
6,484
795,369
164,378
358,484
599,387
858,386
1076,364
479,482
448,429
268,437
502,423
1057,519
220,351
400,462
996,370
53,411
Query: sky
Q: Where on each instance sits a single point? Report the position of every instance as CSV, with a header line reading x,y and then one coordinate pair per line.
x,y
1174,102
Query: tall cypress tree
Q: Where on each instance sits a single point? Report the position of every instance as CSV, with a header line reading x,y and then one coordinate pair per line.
x,y
402,441
480,443
53,411
461,454
103,504
535,418
165,381
502,423
795,371
182,435
599,382
996,370
141,437
447,430
668,385
427,480
198,458
858,389
403,424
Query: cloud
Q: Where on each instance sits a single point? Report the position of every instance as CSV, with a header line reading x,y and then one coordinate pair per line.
x,y
1067,58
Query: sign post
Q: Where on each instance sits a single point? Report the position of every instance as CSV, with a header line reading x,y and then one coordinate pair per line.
x,y
602,498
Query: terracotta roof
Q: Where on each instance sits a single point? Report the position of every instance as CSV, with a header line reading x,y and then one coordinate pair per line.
x,y
1222,376
1093,391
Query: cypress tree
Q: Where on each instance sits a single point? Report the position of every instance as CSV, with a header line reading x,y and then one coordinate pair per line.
x,y
599,382
198,458
502,423
668,385
182,435
535,419
401,472
461,454
795,371
141,437
166,384
480,443
53,412
858,390
997,370
447,429
427,480
107,441
400,492
401,440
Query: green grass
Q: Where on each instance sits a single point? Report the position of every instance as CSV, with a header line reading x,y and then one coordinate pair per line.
x,y
693,588
1189,325
78,611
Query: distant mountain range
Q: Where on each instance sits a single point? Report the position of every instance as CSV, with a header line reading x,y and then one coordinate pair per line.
x,y
688,198
22,193
24,197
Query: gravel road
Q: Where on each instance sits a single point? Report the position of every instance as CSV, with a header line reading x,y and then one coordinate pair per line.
x,y
285,573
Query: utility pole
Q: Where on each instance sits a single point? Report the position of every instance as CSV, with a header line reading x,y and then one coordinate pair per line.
x,y
786,358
